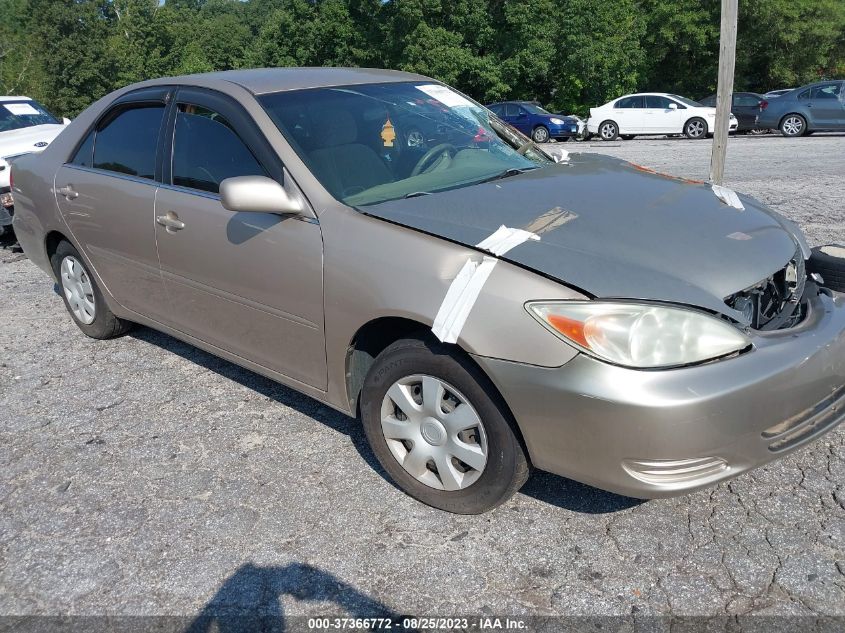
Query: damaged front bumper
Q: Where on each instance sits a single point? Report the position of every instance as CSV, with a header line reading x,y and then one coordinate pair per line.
x,y
651,434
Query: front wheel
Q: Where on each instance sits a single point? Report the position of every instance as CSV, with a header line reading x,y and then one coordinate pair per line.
x,y
439,429
793,125
695,128
82,296
540,134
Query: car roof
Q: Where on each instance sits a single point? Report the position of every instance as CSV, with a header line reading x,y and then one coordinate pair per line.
x,y
12,98
265,80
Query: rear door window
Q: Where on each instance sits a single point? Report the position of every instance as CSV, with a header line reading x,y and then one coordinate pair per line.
x,y
630,102
827,91
657,102
207,150
126,143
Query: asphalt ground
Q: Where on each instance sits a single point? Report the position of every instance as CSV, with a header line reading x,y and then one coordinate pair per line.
x,y
141,476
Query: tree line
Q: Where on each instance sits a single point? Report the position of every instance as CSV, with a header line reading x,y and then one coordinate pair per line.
x,y
567,54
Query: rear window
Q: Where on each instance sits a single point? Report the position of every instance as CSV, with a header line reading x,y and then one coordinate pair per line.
x,y
127,142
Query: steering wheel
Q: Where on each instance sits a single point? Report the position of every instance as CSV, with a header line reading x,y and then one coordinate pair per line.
x,y
444,148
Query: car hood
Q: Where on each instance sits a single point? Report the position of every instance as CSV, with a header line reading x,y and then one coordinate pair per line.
x,y
23,140
614,230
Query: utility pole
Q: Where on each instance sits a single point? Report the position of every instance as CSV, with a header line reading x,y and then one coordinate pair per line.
x,y
724,91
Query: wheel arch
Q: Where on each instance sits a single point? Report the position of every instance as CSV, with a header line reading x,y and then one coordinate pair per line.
x,y
369,341
375,336
51,242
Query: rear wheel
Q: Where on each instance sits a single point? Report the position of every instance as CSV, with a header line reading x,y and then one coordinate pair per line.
x,y
609,131
82,296
695,128
439,429
793,125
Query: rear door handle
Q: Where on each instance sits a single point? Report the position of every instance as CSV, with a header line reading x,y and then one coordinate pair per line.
x,y
170,222
68,192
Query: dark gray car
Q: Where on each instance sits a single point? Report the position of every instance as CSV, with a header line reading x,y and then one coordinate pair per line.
x,y
814,108
479,306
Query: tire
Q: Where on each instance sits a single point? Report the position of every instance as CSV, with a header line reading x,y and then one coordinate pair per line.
x,y
540,134
829,262
89,310
793,126
628,137
401,369
608,131
695,128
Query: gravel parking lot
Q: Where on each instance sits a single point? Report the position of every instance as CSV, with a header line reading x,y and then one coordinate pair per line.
x,y
142,476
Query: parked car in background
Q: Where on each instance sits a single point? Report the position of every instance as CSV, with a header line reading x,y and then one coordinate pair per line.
x,y
25,126
483,309
653,113
745,106
536,122
812,108
582,126
772,94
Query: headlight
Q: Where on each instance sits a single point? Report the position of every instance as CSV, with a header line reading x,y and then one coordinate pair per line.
x,y
557,121
640,335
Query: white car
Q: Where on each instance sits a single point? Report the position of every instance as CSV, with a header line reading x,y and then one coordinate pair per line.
x,y
25,127
653,113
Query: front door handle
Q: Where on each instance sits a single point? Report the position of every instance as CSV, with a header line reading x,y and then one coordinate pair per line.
x,y
170,222
68,192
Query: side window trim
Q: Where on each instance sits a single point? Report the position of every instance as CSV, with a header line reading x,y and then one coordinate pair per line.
x,y
151,95
237,117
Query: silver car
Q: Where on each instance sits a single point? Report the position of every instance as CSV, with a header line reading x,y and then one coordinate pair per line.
x,y
481,306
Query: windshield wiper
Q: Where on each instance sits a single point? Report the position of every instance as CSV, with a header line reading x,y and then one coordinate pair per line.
x,y
512,171
416,194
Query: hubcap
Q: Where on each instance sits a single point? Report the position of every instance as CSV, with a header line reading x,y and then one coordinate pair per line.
x,y
434,432
608,131
78,290
695,128
540,135
793,125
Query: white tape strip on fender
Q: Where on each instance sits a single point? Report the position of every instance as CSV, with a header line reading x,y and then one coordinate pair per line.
x,y
466,287
728,196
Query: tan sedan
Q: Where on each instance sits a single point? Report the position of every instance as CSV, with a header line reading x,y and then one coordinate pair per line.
x,y
382,243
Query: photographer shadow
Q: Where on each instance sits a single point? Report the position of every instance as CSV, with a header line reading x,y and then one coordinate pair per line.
x,y
251,600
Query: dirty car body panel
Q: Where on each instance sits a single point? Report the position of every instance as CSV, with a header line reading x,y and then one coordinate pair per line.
x,y
302,289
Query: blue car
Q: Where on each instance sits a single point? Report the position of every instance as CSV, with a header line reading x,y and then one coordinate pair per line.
x,y
532,120
813,108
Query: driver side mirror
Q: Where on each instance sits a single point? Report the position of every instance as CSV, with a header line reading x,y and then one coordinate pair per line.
x,y
65,121
673,106
257,194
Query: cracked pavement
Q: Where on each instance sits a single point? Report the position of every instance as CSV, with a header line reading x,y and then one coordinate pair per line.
x,y
141,476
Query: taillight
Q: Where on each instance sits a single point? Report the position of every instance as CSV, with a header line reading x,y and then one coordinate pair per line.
x,y
764,104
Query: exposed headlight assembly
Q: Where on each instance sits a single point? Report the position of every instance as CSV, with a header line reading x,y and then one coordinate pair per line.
x,y
640,335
